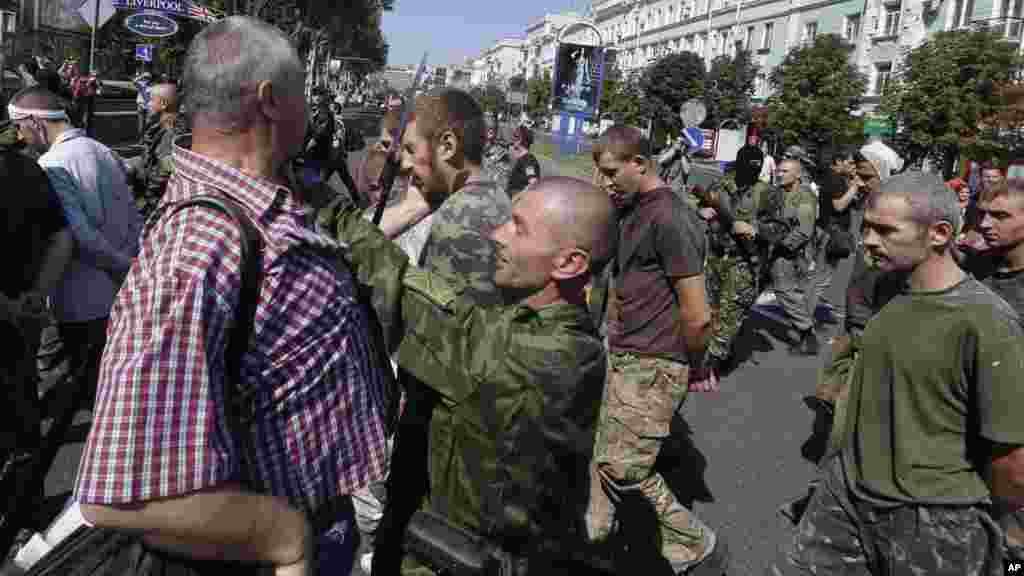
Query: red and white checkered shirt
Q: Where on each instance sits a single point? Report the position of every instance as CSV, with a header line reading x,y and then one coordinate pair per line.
x,y
159,427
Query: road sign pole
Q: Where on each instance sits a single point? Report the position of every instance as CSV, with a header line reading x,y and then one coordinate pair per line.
x,y
92,48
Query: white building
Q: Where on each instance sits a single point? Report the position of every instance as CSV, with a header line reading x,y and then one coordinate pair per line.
x,y
541,37
883,31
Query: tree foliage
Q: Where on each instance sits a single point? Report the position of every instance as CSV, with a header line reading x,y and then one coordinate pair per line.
x,y
946,95
621,98
729,88
491,98
814,91
538,89
668,83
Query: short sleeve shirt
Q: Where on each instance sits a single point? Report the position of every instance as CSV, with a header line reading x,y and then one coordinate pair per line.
x,y
523,170
938,371
661,240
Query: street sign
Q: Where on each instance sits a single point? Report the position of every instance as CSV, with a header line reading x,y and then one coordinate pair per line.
x,y
144,52
87,9
151,25
577,79
693,112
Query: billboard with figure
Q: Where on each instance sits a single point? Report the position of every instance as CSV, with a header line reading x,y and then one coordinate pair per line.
x,y
577,79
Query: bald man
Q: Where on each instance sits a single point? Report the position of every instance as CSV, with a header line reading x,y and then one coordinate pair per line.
x,y
154,168
529,374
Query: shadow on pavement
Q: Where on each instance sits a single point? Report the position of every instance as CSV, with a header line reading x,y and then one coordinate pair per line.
x,y
683,465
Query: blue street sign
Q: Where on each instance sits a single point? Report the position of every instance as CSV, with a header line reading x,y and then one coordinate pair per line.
x,y
696,139
151,24
144,52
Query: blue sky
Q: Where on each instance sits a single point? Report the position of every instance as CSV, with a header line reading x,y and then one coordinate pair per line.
x,y
451,30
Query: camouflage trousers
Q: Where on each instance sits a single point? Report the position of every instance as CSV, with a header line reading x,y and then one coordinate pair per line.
x,y
840,535
641,397
732,291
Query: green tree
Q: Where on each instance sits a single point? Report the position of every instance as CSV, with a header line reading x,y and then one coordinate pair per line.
x,y
814,92
729,88
947,93
667,84
622,99
538,97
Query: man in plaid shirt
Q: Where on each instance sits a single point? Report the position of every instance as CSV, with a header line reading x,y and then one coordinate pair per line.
x,y
160,457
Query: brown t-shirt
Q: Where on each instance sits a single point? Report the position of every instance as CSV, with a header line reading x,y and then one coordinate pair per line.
x,y
661,239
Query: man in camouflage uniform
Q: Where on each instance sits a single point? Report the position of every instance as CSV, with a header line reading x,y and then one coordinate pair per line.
x,y
792,226
446,138
658,324
153,169
517,387
734,261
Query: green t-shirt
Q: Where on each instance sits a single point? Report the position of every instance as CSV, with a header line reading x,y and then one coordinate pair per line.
x,y
939,372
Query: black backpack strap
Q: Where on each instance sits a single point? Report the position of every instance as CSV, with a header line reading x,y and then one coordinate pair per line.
x,y
240,408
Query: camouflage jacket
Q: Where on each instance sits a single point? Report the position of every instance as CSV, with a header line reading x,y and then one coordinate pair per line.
x,y
517,391
459,248
157,163
734,205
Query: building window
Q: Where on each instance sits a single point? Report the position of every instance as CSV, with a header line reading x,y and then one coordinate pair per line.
x,y
851,26
766,38
883,72
672,13
688,9
748,38
892,20
761,85
661,18
810,31
1012,13
963,10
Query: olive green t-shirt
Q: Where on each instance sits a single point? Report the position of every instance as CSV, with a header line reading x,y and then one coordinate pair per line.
x,y
939,373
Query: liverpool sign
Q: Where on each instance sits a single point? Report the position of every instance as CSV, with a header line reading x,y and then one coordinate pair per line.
x,y
180,8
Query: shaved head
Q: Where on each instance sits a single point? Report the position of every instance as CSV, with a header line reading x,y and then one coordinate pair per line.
x,y
169,94
37,98
582,214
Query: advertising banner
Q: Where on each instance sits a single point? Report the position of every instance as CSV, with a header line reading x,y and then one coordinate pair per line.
x,y
577,80
180,8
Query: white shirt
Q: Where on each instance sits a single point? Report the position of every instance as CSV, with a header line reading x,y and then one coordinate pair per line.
x,y
93,189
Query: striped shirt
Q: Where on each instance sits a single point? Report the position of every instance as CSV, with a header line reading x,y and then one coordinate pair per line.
x,y
159,427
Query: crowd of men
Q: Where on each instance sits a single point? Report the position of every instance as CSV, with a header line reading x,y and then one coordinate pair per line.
x,y
488,373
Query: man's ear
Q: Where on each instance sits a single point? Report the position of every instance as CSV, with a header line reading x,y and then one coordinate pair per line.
x,y
269,100
449,147
940,234
640,163
571,263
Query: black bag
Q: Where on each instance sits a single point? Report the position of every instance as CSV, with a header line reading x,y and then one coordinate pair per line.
x,y
92,551
453,550
840,243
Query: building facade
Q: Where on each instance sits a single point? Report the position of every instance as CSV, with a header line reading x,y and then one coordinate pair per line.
x,y
882,31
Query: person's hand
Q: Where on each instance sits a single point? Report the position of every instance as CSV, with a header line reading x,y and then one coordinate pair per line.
x,y
708,213
703,380
743,229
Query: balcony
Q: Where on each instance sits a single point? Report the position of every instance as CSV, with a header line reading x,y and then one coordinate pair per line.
x,y
1009,27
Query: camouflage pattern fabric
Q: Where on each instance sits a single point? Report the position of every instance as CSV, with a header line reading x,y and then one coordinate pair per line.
x,y
839,536
791,273
641,397
732,291
157,165
501,376
459,248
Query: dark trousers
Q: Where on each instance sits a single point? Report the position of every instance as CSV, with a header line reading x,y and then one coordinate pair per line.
x,y
841,535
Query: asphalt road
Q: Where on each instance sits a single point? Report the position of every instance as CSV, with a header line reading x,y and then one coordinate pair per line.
x,y
735,454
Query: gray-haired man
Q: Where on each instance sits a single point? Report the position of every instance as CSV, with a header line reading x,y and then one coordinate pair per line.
x,y
160,431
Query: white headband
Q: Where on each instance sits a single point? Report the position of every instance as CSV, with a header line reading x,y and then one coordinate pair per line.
x,y
18,113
